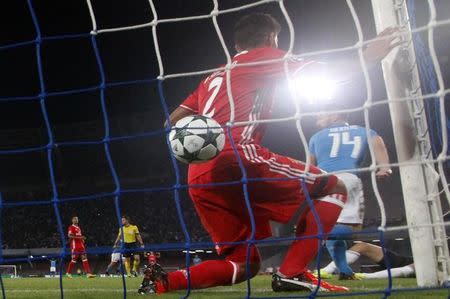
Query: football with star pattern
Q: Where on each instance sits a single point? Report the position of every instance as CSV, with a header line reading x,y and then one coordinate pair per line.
x,y
196,139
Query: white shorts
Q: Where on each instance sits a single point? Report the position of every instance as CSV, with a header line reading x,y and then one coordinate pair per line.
x,y
353,211
52,269
115,257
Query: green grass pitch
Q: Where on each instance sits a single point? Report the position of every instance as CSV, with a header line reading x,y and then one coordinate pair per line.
x,y
106,288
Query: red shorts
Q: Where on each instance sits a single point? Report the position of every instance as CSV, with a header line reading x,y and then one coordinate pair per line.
x,y
78,250
222,209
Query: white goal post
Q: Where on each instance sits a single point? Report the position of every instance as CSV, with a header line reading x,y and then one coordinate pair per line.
x,y
417,169
13,269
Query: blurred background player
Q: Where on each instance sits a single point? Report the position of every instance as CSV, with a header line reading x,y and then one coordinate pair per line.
x,y
152,257
146,286
132,244
400,266
196,260
52,267
342,147
78,249
116,259
222,210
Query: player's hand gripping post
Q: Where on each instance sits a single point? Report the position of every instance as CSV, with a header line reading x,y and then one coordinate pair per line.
x,y
381,46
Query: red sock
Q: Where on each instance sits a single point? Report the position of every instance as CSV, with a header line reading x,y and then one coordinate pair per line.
x,y
301,252
70,266
86,267
204,275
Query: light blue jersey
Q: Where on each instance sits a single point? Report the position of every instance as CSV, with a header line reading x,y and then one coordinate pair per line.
x,y
340,146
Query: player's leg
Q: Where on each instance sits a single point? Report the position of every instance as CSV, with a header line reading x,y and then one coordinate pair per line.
x,y
86,266
351,257
327,192
337,247
128,266
115,258
206,274
401,266
136,262
215,272
71,264
349,220
110,268
405,271
393,260
223,214
327,208
127,259
373,252
293,274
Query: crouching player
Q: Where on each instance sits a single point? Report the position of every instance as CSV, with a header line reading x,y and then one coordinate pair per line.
x,y
222,208
152,269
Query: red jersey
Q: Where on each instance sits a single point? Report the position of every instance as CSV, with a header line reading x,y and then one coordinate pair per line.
x,y
252,88
75,230
222,209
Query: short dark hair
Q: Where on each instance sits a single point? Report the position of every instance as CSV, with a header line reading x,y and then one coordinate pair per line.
x,y
339,104
126,217
251,31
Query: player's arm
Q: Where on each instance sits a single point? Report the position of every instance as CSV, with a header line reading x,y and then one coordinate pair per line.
x,y
178,114
116,243
373,53
188,107
71,235
381,156
311,148
139,238
312,159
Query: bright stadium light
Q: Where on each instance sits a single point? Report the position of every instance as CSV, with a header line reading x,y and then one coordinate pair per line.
x,y
314,88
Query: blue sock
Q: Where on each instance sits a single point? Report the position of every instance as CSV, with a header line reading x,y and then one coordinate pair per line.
x,y
338,246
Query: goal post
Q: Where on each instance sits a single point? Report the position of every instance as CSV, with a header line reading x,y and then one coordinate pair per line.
x,y
10,270
419,178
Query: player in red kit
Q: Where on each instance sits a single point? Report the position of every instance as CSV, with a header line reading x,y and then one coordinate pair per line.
x,y
222,209
77,248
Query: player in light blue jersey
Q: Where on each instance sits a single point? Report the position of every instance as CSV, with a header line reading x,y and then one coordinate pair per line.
x,y
52,267
342,147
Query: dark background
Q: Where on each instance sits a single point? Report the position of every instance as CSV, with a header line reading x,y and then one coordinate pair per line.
x,y
71,94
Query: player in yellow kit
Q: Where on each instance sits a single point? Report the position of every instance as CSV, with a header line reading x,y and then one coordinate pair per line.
x,y
132,243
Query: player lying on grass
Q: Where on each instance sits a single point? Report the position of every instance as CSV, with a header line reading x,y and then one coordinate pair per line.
x,y
401,266
222,209
339,146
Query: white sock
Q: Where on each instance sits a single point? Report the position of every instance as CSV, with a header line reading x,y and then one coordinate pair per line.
x,y
330,268
350,255
405,271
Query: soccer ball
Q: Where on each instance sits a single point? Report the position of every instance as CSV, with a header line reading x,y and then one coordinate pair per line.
x,y
196,139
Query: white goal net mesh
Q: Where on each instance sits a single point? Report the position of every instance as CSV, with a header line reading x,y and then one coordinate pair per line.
x,y
397,101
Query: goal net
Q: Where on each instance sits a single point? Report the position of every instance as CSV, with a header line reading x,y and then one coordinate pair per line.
x,y
86,94
8,271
